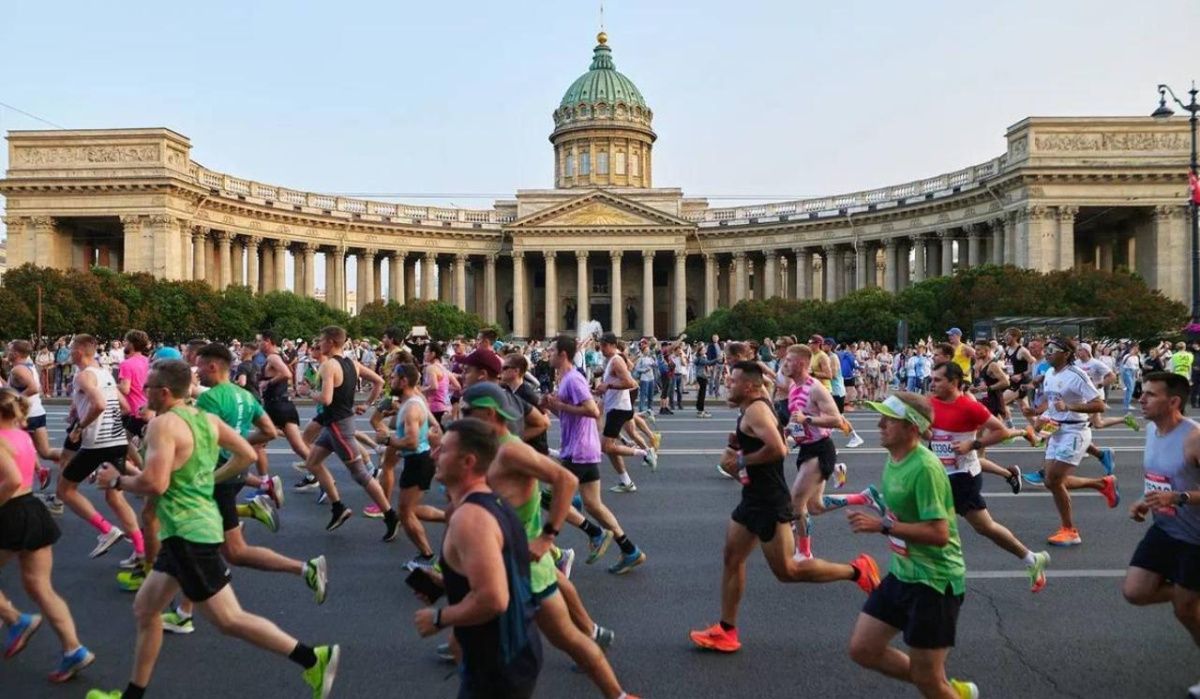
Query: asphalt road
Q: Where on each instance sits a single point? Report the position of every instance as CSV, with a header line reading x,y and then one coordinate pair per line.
x,y
1077,638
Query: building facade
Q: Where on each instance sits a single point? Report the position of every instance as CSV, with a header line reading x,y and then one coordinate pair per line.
x,y
605,243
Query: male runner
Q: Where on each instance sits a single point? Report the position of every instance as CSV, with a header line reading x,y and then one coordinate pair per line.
x,y
837,388
613,391
1103,377
964,354
101,439
1068,395
339,377
580,451
926,580
1166,564
755,453
1021,360
275,379
182,446
486,571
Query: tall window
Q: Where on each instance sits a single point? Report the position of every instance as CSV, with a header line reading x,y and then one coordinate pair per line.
x,y
620,164
585,163
633,164
602,163
570,165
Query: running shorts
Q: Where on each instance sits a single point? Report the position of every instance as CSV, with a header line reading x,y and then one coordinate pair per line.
x,y
68,444
338,437
86,461
968,492
1069,445
197,568
26,525
33,424
823,451
418,471
586,473
782,414
226,497
614,420
927,618
134,425
1176,561
282,413
763,519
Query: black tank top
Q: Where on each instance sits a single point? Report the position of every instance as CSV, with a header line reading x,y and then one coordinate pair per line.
x,y
342,405
993,401
504,653
767,484
276,391
1019,366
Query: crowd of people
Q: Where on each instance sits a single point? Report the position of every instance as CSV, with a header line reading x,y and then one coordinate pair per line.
x,y
182,430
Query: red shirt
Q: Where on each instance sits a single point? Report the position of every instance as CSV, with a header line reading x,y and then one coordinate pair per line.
x,y
964,414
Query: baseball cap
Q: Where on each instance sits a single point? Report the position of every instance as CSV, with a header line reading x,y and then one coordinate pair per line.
x,y
483,358
954,331
486,394
897,409
816,340
1085,347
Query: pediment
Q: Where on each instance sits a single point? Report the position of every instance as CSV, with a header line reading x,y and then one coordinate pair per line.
x,y
600,208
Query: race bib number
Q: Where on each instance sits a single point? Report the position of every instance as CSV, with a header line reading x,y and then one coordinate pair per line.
x,y
942,445
1160,484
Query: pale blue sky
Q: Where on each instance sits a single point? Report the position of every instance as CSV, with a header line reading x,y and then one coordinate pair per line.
x,y
751,97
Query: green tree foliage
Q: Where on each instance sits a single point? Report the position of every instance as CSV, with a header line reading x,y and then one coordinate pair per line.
x,y
443,320
1131,309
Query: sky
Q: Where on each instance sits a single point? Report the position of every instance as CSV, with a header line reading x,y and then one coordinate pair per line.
x,y
769,99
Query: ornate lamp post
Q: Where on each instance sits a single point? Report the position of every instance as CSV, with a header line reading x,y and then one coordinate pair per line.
x,y
1165,112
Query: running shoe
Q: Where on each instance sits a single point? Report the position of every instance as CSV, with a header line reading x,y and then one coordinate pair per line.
x,y
868,573
307,484
554,453
1131,422
340,514
598,544
965,690
651,459
839,476
855,441
717,638
877,500
320,676
565,562
261,510
1038,477
175,622
623,488
1065,537
649,415
391,526
131,580
444,653
1108,460
1194,691
1110,492
372,511
322,497
1037,571
604,637
43,477
1031,436
316,576
71,663
704,414
724,473
1014,479
273,488
19,634
628,562
419,561
52,503
656,438
104,542
136,560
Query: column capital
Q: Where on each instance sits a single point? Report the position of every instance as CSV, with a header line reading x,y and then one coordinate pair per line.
x,y
616,254
829,248
279,245
161,219
126,219
945,233
548,254
681,253
974,230
461,256
430,255
199,231
337,251
369,253
1067,213
517,255
739,255
769,253
399,255
581,254
304,247
251,240
997,224
890,243
917,238
801,251
222,236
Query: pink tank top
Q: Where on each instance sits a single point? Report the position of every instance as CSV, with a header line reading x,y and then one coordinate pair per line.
x,y
439,398
798,400
26,454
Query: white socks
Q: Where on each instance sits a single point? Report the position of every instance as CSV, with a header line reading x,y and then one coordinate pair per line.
x,y
624,478
1029,558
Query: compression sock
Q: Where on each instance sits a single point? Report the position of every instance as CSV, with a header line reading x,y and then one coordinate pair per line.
x,y
101,525
132,691
139,542
590,528
626,545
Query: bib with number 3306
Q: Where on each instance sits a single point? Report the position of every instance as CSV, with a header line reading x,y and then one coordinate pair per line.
x,y
1160,484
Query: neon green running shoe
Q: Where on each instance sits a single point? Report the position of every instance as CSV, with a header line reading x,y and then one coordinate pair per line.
x,y
316,576
263,511
1037,571
965,690
175,622
101,694
131,580
320,676
1131,422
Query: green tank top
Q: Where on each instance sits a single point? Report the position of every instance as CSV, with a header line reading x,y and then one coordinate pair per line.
x,y
541,572
187,509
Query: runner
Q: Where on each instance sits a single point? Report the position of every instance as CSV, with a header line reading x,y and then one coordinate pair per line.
x,y
181,449
926,582
339,377
755,453
1166,565
1021,360
613,390
963,354
24,379
97,438
837,388
1103,376
1068,396
27,531
580,453
437,382
486,571
275,380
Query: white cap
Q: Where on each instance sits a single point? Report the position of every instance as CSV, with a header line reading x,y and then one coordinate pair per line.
x,y
1085,347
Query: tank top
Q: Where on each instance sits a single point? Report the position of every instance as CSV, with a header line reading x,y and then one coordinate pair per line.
x,y
541,571
36,409
766,484
106,430
438,397
827,383
1019,366
24,454
423,436
994,400
505,651
798,400
342,405
615,398
961,358
187,509
276,391
1168,469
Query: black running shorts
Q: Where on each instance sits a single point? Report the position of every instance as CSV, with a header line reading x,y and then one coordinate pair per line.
x,y
927,618
614,420
197,568
762,519
586,473
1176,561
226,497
418,471
87,461
282,413
968,493
823,451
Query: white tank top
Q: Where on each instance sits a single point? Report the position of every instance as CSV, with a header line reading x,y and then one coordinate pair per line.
x,y
615,398
36,409
106,430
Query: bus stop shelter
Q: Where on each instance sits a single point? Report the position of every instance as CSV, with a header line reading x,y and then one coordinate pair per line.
x,y
1030,326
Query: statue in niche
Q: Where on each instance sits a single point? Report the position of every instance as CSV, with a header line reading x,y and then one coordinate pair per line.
x,y
569,313
508,311
690,314
631,314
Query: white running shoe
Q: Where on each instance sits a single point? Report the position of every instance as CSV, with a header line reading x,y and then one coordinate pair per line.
x,y
104,542
855,441
135,561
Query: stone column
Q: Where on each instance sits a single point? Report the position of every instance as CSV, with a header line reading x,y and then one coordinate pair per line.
x,y
396,268
330,280
298,282
410,279
648,293
679,303
583,287
224,261
366,293
890,265
239,262
740,277
252,272
445,283
947,254
831,272
1066,236
863,273
903,248
460,281
489,288
1168,251
551,301
280,247
267,270
429,284
803,274
974,240
616,292
339,278
520,301
918,273
770,274
199,247
999,244
377,276
710,283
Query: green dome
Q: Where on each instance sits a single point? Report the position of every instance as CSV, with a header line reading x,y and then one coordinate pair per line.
x,y
602,83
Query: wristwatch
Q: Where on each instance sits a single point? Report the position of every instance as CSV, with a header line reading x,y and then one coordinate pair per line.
x,y
1183,498
886,525
548,528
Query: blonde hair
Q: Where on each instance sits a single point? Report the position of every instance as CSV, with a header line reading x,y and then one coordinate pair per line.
x,y
801,350
13,406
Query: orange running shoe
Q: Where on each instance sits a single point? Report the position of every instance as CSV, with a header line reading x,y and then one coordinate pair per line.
x,y
868,573
717,638
1110,492
1031,436
1065,537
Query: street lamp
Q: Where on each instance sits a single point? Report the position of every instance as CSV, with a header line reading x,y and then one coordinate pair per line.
x,y
1165,112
